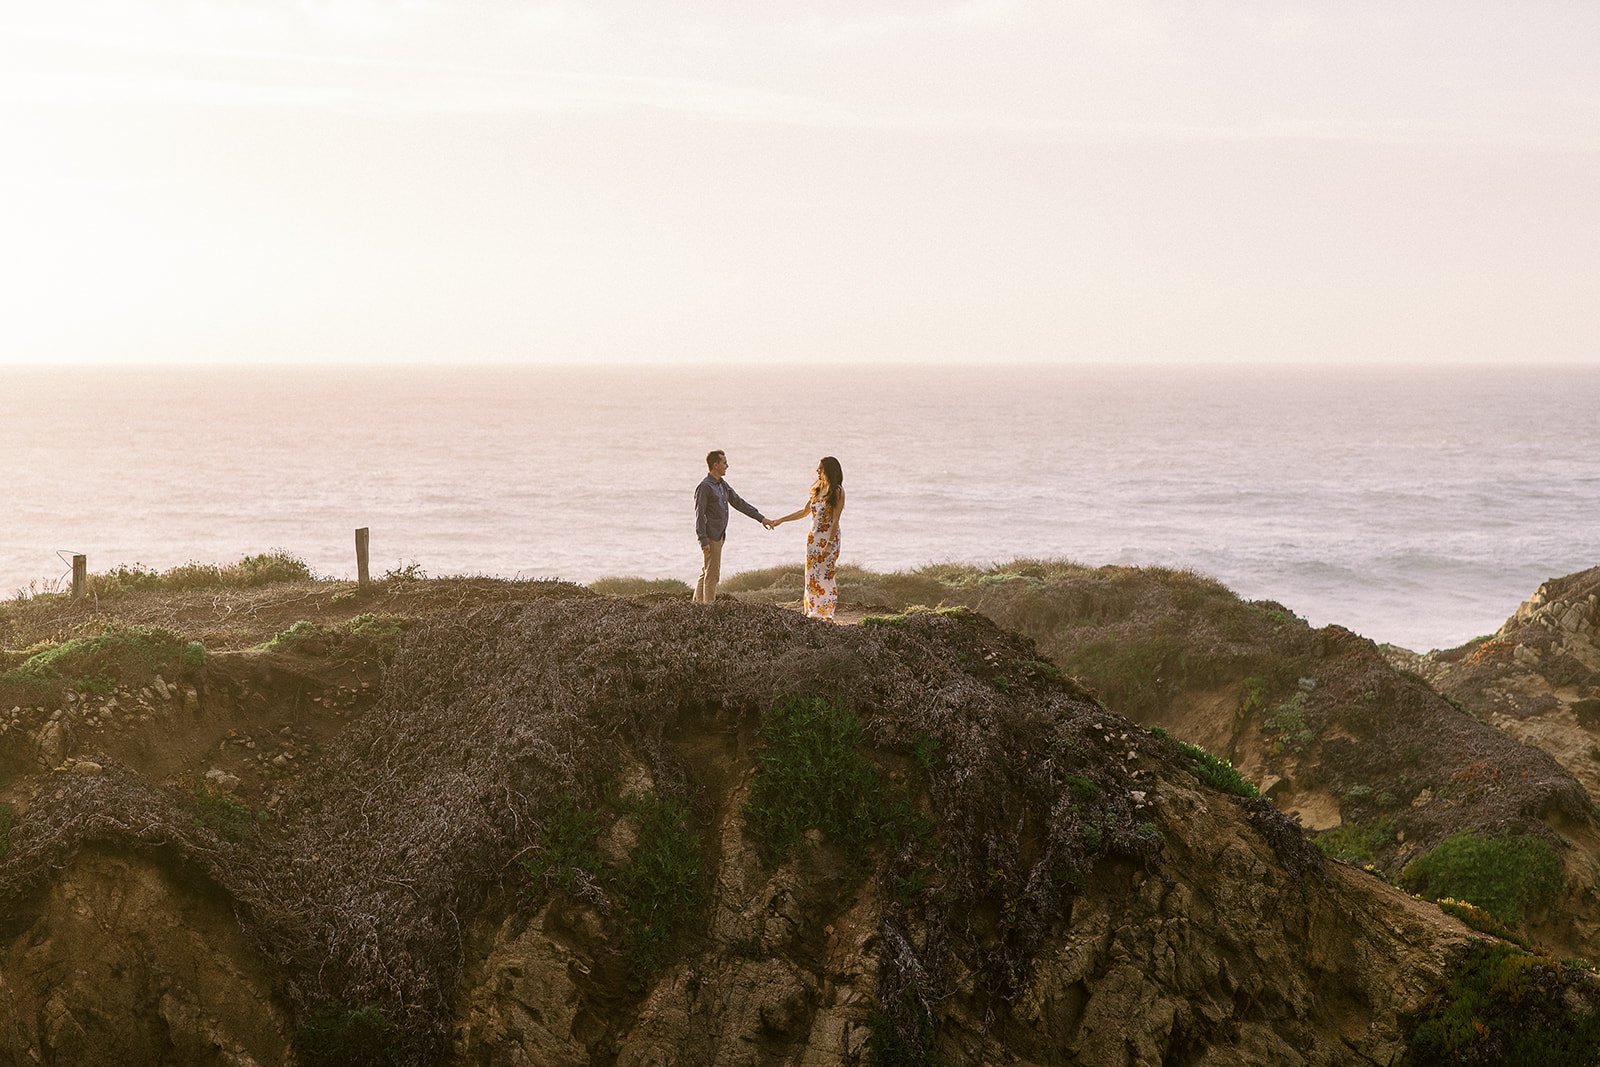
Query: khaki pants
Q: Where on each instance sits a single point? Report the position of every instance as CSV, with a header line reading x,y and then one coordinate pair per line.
x,y
705,590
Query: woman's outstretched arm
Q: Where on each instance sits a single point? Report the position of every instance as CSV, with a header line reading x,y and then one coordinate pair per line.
x,y
790,518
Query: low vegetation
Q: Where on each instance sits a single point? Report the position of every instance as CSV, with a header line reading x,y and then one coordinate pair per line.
x,y
7,817
568,851
303,636
655,898
251,572
1505,1006
911,612
1288,728
641,587
1510,876
1357,843
1481,921
222,813
662,887
1213,771
347,1037
308,638
813,774
101,661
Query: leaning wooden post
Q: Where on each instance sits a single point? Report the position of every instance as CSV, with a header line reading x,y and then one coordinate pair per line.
x,y
362,578
80,576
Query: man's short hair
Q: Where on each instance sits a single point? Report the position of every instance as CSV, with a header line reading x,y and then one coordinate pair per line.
x,y
715,456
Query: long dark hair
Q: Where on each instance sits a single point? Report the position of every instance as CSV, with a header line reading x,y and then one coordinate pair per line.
x,y
834,475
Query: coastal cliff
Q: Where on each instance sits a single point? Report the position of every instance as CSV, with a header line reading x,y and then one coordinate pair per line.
x,y
474,821
1537,678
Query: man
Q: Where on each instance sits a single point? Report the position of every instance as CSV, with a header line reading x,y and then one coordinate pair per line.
x,y
711,499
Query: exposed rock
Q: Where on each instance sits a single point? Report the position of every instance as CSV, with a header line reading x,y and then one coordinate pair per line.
x,y
619,840
53,741
1538,675
121,964
519,1004
222,780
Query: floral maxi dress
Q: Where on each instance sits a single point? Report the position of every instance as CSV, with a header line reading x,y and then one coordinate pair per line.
x,y
822,556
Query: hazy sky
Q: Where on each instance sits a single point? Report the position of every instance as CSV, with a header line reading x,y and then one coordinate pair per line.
x,y
1068,180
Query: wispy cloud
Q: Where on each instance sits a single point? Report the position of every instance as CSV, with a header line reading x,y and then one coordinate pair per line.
x,y
264,79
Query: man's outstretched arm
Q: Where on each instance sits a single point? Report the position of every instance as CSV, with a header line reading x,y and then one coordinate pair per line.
x,y
738,502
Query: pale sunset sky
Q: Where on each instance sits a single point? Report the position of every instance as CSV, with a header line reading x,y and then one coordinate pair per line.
x,y
349,181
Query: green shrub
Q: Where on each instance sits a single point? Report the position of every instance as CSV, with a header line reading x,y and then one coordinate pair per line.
x,y
1217,773
641,586
662,886
1043,668
1506,1007
1355,842
956,611
382,630
1252,694
812,774
1480,920
100,661
660,891
267,568
223,814
1288,728
348,1037
306,638
1587,711
1507,876
303,637
567,846
1081,788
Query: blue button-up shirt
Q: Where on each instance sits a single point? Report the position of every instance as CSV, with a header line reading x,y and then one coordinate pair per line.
x,y
711,499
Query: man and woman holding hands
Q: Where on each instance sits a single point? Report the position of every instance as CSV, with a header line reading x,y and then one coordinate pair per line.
x,y
824,503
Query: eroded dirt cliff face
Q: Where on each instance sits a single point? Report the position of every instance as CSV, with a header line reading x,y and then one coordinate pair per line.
x,y
542,836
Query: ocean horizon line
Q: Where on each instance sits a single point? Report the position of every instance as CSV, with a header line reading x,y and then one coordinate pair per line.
x,y
1299,366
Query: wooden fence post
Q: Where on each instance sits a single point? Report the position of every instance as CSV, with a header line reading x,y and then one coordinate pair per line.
x,y
80,576
362,577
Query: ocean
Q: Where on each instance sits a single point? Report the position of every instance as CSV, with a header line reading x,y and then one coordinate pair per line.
x,y
1415,506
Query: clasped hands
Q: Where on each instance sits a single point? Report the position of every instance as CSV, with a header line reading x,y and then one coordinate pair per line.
x,y
771,524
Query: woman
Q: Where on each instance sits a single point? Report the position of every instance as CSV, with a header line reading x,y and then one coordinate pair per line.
x,y
822,544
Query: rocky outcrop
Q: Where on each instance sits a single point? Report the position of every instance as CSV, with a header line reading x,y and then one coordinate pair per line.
x,y
1537,678
121,962
1220,956
1338,732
